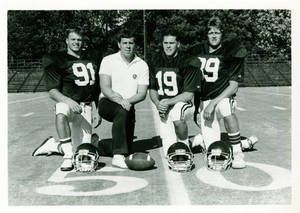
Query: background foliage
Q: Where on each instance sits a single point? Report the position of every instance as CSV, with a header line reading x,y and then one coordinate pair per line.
x,y
33,33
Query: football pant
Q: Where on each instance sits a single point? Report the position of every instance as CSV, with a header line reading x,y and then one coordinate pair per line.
x,y
211,129
81,124
180,111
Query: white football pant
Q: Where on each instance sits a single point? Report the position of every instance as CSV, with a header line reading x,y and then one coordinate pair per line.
x,y
180,111
211,131
81,124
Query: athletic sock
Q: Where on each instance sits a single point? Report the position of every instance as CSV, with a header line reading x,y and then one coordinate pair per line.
x,y
235,141
66,147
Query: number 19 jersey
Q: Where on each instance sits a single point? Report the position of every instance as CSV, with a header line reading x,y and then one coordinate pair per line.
x,y
169,77
76,78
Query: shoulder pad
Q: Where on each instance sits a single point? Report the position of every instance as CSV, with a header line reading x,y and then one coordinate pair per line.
x,y
193,62
52,58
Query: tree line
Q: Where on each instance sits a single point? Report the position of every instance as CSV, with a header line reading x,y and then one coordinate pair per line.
x,y
34,33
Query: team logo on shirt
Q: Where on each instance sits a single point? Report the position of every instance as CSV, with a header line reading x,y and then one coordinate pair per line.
x,y
134,76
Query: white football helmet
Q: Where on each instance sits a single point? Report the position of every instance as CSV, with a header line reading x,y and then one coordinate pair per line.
x,y
218,156
180,157
86,158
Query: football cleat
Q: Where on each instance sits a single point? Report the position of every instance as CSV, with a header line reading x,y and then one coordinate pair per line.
x,y
119,161
249,143
86,158
218,156
67,165
180,157
48,147
238,161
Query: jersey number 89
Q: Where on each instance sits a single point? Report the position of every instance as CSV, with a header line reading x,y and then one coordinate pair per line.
x,y
167,79
210,68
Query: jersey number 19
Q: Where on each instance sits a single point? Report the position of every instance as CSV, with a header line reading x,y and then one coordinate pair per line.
x,y
167,79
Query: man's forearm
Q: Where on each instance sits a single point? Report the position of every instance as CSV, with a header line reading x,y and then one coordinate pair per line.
x,y
183,97
111,95
57,96
137,98
154,96
229,91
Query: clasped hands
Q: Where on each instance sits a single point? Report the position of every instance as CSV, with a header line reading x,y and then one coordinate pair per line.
x,y
123,102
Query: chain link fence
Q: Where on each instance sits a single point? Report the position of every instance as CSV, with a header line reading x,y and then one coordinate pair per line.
x,y
259,70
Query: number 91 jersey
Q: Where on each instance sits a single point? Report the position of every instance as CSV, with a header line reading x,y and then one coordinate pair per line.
x,y
169,77
76,78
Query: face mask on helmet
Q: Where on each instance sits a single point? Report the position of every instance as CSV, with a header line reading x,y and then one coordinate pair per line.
x,y
180,157
86,158
218,156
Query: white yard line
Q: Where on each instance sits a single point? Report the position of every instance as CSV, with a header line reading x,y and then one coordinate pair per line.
x,y
28,114
266,93
280,108
28,99
241,109
176,189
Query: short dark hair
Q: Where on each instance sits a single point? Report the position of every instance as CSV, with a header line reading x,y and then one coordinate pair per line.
x,y
214,22
169,32
125,33
76,30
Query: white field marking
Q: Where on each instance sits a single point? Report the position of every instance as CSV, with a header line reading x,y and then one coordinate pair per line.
x,y
59,176
28,99
267,93
177,192
27,114
281,178
241,109
123,184
280,108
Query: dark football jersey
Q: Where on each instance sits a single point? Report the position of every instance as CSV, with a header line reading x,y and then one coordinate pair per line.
x,y
219,67
169,77
76,78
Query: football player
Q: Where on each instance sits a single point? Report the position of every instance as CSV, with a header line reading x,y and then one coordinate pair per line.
x,y
221,65
73,83
171,90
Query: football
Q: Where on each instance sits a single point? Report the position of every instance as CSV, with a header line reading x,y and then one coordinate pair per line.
x,y
139,161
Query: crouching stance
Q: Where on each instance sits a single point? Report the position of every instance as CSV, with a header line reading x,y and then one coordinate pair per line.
x,y
73,83
171,90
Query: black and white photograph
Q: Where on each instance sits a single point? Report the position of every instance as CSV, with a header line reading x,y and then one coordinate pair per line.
x,y
146,106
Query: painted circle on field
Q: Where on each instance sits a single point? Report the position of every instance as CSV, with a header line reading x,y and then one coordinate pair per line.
x,y
123,185
281,178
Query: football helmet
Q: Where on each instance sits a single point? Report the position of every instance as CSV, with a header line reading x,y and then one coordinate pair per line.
x,y
180,157
86,158
218,156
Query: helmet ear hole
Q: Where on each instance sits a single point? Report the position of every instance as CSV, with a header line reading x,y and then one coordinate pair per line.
x,y
180,157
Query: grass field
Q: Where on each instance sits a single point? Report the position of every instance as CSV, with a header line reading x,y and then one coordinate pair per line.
x,y
37,181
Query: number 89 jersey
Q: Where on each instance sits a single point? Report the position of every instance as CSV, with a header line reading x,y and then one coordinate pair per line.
x,y
219,67
169,77
76,78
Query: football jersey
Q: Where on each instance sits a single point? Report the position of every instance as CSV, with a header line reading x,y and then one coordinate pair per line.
x,y
76,78
169,77
219,67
